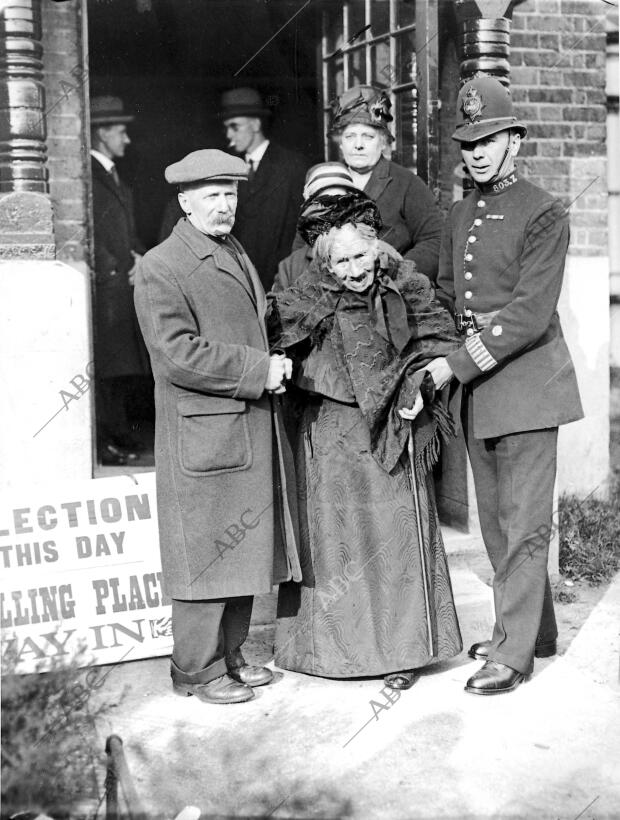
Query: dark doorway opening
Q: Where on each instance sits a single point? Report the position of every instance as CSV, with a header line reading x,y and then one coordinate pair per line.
x,y
169,61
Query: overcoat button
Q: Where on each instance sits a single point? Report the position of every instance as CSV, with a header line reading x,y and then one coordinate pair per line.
x,y
467,312
471,238
468,294
468,275
468,257
470,331
481,203
477,222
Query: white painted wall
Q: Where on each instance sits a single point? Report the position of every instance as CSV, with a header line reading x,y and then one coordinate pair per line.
x,y
583,450
45,340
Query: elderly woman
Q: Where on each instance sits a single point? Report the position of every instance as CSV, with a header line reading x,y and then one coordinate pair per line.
x,y
411,219
361,325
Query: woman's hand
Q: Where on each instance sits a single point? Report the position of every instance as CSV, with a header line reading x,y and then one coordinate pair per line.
x,y
441,372
411,413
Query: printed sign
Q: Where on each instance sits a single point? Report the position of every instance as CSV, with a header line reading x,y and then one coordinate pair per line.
x,y
81,568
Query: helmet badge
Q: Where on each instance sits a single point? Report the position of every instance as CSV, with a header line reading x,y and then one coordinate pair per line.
x,y
472,104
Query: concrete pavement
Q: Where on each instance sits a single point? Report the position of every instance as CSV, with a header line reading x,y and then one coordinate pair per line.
x,y
311,747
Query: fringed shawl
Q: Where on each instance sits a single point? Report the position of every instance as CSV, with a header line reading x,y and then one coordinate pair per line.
x,y
386,336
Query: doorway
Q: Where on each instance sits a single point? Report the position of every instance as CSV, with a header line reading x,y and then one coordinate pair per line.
x,y
169,61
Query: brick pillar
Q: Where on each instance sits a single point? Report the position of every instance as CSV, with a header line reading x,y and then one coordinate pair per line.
x,y
558,85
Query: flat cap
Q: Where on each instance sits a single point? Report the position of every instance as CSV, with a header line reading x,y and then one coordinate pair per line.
x,y
204,166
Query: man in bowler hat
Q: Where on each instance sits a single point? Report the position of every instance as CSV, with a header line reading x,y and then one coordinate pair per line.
x,y
269,203
501,268
121,361
225,489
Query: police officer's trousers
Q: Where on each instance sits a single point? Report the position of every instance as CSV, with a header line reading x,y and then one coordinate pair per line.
x,y
514,476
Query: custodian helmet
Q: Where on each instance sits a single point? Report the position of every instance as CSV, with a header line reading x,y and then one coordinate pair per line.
x,y
484,107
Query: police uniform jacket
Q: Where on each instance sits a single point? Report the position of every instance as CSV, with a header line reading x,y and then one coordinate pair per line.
x,y
224,530
502,259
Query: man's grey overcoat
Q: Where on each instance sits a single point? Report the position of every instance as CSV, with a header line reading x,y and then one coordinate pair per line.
x,y
225,527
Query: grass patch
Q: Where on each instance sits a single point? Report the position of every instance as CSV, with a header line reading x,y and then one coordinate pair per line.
x,y
590,537
563,594
51,756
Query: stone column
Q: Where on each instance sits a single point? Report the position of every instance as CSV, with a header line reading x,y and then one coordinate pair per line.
x,y
484,37
25,208
44,333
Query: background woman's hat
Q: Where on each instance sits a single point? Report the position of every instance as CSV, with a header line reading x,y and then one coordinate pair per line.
x,y
484,107
242,102
327,175
362,104
108,110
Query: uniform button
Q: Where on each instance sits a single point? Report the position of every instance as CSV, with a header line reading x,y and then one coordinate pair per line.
x,y
470,331
468,294
468,257
477,222
467,312
481,203
468,274
471,238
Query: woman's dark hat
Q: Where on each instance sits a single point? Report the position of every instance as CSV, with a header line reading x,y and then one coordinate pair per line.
x,y
484,107
242,102
321,213
362,104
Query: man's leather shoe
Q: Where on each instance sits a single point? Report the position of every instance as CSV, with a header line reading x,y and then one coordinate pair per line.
x,y
220,690
251,675
480,651
494,679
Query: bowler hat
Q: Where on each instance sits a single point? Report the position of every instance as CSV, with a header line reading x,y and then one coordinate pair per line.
x,y
206,165
484,107
242,102
362,104
108,110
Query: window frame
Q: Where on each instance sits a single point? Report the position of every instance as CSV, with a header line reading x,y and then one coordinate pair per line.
x,y
425,159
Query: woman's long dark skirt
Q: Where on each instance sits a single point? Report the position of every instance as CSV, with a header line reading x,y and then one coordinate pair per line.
x,y
360,609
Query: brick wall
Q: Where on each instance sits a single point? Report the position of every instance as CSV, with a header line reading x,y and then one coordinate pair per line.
x,y
558,84
66,80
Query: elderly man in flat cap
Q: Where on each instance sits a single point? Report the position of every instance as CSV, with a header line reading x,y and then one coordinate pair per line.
x,y
121,361
225,493
269,202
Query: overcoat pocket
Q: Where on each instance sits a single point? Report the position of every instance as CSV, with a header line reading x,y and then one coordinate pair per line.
x,y
213,435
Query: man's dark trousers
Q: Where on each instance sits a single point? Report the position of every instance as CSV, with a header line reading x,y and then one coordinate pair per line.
x,y
208,636
514,476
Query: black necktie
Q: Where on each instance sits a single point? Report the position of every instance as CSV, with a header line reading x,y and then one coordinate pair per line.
x,y
115,176
252,171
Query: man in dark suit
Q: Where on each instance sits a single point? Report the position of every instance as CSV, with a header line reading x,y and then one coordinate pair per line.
x,y
120,355
501,268
269,203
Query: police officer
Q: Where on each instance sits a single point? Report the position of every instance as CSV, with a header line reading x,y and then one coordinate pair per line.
x,y
501,269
